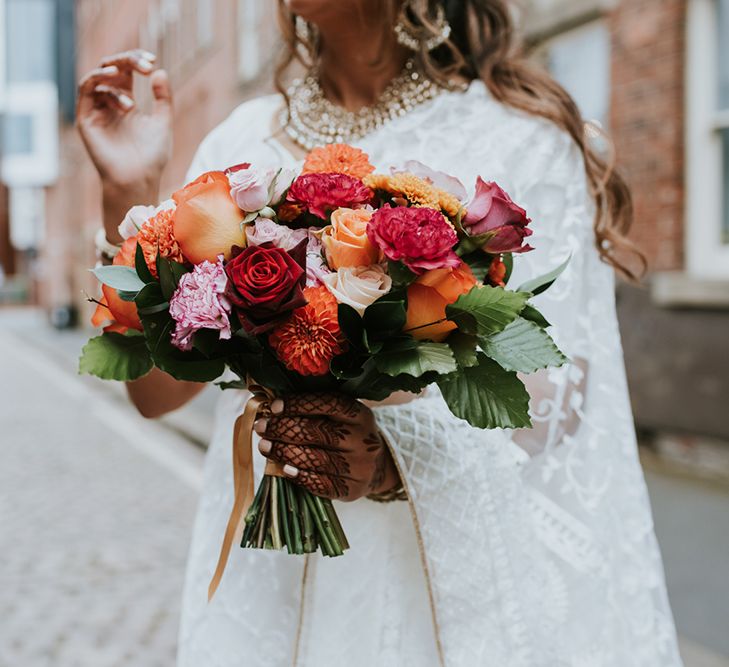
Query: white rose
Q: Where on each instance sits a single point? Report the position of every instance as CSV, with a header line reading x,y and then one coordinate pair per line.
x,y
138,215
358,287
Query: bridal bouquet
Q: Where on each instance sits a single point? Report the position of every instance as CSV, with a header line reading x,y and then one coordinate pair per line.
x,y
333,279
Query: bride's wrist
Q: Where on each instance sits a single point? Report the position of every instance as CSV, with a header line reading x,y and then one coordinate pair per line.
x,y
118,198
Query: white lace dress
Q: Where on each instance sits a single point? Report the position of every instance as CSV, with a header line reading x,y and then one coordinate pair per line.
x,y
518,548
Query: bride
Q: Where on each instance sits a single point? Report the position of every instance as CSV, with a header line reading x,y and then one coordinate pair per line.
x,y
530,548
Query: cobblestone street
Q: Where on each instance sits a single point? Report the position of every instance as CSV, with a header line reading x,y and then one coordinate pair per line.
x,y
96,508
97,504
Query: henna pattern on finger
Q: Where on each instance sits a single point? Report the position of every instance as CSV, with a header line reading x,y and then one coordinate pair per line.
x,y
323,404
302,430
310,459
325,486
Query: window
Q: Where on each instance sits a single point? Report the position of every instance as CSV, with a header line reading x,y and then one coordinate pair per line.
x,y
707,139
249,39
580,60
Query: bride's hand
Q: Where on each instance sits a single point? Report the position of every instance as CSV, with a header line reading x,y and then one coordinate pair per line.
x,y
329,444
128,147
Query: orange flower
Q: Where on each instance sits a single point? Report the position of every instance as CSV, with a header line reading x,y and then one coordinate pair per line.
x,y
346,242
338,159
123,314
311,338
207,221
288,212
156,236
497,272
428,297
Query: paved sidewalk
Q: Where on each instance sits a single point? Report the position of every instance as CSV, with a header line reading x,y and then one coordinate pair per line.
x,y
96,510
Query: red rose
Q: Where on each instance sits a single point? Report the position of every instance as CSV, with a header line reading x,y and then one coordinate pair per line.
x,y
493,212
421,238
265,283
320,194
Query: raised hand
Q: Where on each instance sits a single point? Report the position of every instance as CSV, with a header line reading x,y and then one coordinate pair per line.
x,y
328,444
128,147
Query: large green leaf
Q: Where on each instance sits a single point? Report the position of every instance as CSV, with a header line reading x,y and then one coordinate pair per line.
x,y
140,264
115,356
543,283
122,278
386,317
487,396
464,348
533,315
401,275
416,359
524,347
351,324
486,310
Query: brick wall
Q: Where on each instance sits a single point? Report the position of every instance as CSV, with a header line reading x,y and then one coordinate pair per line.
x,y
647,120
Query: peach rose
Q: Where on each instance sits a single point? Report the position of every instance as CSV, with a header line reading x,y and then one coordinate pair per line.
x,y
345,240
207,220
428,297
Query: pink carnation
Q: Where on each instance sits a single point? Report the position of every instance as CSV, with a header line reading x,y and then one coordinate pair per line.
x,y
320,194
199,303
421,238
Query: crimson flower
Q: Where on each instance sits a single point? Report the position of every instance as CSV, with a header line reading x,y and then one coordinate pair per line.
x,y
265,283
320,194
420,238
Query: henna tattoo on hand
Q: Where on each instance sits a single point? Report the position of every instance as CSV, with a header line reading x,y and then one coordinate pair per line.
x,y
325,486
311,459
303,430
322,404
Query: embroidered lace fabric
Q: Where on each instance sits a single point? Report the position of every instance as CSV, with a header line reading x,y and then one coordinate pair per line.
x,y
539,545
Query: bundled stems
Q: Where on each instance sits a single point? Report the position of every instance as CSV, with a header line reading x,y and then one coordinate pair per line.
x,y
284,515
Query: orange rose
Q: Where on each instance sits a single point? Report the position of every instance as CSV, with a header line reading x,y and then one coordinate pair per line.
x,y
207,220
428,297
345,240
122,313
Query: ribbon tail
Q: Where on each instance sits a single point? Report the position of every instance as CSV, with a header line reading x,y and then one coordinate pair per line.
x,y
243,485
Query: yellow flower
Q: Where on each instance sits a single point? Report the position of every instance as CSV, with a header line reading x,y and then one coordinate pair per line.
x,y
417,191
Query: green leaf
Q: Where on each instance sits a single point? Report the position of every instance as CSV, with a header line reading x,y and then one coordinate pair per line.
x,y
401,275
533,315
508,259
386,317
480,263
167,280
471,243
151,301
376,386
140,264
122,278
127,296
524,347
486,310
115,356
464,348
487,396
543,283
416,359
351,324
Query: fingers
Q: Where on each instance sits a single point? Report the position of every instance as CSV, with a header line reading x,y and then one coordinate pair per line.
x,y
161,91
115,97
336,406
321,485
87,86
304,430
310,459
136,60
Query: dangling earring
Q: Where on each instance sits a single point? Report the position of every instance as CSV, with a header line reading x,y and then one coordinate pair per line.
x,y
415,38
307,35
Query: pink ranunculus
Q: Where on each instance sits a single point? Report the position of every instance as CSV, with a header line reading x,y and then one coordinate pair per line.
x,y
439,179
493,212
421,238
199,303
320,194
265,230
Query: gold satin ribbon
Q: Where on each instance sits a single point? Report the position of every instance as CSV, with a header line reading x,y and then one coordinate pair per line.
x,y
244,491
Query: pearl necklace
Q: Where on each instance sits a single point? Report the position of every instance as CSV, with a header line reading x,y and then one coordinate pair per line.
x,y
312,120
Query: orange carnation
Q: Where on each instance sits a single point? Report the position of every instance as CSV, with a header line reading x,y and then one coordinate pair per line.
x,y
428,297
157,236
338,159
308,341
123,314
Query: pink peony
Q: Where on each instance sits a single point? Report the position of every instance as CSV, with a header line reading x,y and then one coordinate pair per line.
x,y
493,212
320,194
421,238
199,303
265,230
